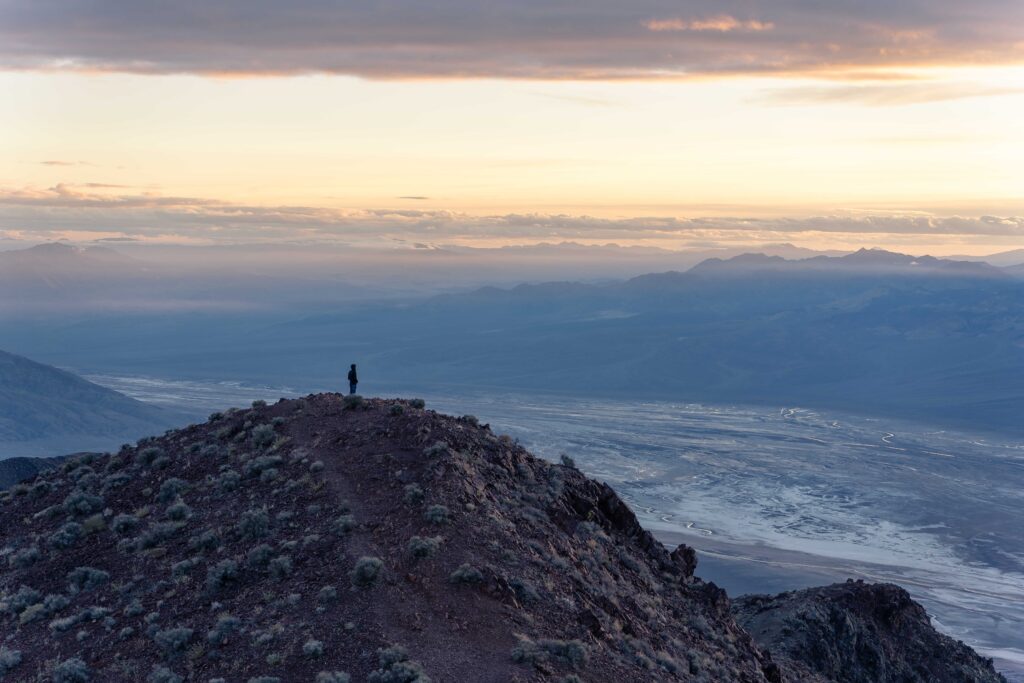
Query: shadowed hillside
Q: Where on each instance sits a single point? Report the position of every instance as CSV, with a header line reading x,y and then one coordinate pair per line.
x,y
46,411
332,539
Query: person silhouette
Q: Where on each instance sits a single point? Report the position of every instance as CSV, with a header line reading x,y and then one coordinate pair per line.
x,y
353,379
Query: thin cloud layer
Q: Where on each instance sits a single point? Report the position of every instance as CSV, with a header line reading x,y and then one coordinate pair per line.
x,y
545,39
65,211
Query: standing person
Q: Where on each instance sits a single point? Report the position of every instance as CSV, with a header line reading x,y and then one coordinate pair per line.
x,y
353,379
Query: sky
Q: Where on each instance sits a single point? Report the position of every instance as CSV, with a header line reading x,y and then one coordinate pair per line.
x,y
678,124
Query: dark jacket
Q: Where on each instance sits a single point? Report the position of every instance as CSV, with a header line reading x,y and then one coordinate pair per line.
x,y
352,377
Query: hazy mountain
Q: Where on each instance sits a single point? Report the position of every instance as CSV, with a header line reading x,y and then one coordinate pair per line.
x,y
871,332
14,470
46,411
1002,259
332,539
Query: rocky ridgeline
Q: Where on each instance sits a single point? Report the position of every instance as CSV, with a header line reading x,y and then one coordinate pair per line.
x,y
331,539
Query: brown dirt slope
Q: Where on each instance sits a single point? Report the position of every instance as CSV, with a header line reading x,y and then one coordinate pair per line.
x,y
306,540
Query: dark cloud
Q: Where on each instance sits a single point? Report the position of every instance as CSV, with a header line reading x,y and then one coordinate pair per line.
x,y
43,214
525,39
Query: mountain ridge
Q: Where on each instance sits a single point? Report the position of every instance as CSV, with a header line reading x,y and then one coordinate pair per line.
x,y
333,538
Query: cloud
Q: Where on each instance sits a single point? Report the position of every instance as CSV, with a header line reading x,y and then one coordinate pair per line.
x,y
883,95
62,211
540,39
723,23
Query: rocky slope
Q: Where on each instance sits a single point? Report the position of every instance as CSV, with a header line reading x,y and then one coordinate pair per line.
x,y
329,539
855,632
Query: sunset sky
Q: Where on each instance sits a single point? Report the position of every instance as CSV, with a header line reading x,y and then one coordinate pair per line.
x,y
674,124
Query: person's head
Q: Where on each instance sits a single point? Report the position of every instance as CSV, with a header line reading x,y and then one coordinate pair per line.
x,y
353,366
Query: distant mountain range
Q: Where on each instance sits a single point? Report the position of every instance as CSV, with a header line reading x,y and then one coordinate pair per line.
x,y
870,332
46,411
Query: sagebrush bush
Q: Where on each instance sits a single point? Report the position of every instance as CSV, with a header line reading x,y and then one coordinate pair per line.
x,y
71,670
161,674
66,536
123,524
225,626
178,511
86,578
9,659
261,464
327,594
413,494
417,403
254,523
436,514
25,557
313,648
263,435
172,640
220,575
571,653
171,488
352,401
396,409
207,540
182,568
333,677
424,546
148,455
81,503
229,481
366,571
438,449
259,403
259,557
343,524
466,573
396,667
280,567
568,461
156,534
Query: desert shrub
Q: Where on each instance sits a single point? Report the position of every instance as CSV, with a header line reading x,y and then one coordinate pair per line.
x,y
278,421
172,640
221,574
161,674
81,503
436,514
254,523
66,536
352,401
568,461
148,455
87,614
396,409
71,670
263,435
259,403
55,602
265,679
280,567
466,573
313,648
134,608
229,481
79,472
115,481
171,488
366,571
259,557
156,534
471,419
526,593
268,475
217,416
86,579
424,546
261,464
571,653
19,601
327,593
413,494
8,660
179,511
40,489
124,524
25,557
317,466
417,403
343,524
161,463
210,450
396,667
184,567
333,677
207,540
225,626
438,449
